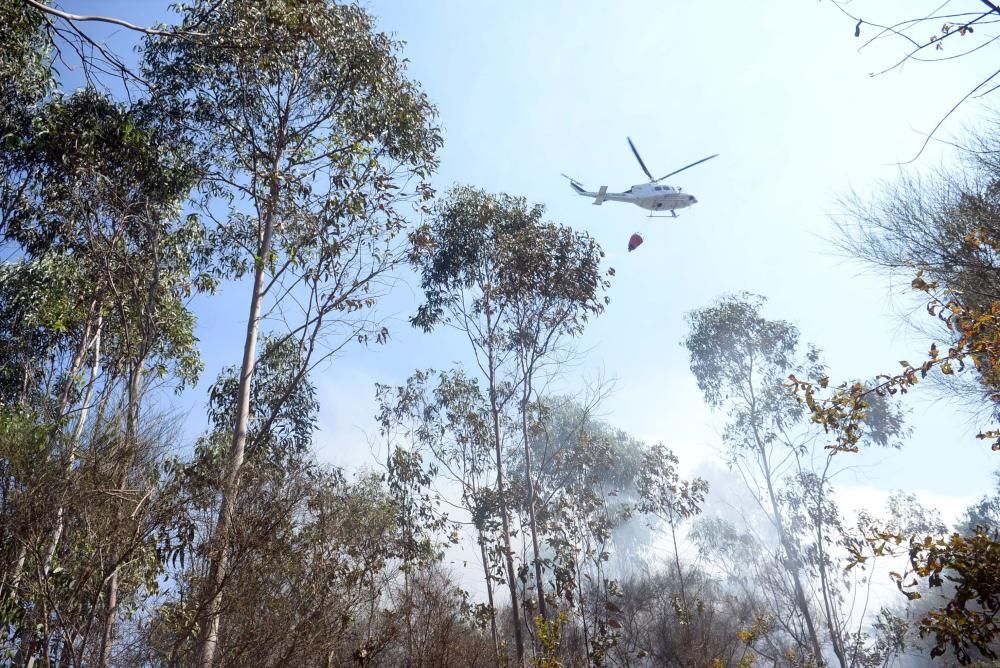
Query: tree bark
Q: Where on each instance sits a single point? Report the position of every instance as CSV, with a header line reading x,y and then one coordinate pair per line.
x,y
74,446
107,640
218,565
532,526
504,515
489,598
791,554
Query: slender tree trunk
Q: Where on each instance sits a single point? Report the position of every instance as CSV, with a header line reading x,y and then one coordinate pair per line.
x,y
835,636
107,640
792,556
532,526
686,621
74,446
27,640
583,611
489,598
220,541
77,361
74,367
677,564
131,442
409,617
501,492
515,606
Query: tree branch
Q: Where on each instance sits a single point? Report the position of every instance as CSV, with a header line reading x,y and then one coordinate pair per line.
x,y
72,18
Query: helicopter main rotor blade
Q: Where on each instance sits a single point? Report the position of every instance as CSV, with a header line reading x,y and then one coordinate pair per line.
x,y
678,171
641,163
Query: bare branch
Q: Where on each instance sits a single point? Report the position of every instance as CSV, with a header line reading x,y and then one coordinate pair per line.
x,y
73,18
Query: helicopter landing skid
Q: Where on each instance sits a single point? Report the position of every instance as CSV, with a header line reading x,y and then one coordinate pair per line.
x,y
672,215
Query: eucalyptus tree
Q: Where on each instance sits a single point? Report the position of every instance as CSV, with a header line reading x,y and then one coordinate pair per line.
x,y
560,288
562,424
741,361
309,131
513,285
585,482
25,81
450,420
580,517
283,413
321,564
25,60
424,529
664,494
97,300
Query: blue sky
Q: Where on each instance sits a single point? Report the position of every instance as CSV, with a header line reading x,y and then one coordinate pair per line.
x,y
527,90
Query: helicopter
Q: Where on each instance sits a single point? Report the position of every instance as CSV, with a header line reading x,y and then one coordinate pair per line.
x,y
651,195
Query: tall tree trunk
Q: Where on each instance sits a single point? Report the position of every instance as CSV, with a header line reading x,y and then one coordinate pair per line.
x,y
791,553
74,445
409,617
131,443
677,563
791,556
532,526
26,653
218,564
836,638
508,552
107,640
578,576
64,397
489,598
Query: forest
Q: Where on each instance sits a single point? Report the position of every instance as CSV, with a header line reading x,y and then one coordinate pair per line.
x,y
278,157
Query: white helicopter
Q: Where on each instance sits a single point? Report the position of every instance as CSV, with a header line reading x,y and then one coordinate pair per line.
x,y
649,195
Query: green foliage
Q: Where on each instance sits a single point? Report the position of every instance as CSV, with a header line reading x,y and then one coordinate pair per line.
x,y
297,117
24,71
38,312
495,251
549,635
944,232
302,110
293,130
100,202
661,490
965,624
425,530
283,403
741,361
90,158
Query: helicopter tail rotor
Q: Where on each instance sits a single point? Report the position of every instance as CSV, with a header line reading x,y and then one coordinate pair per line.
x,y
576,185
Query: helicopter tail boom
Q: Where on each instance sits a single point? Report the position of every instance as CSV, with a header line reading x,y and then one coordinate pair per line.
x,y
602,195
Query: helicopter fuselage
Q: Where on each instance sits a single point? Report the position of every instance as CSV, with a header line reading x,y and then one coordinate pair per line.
x,y
646,195
658,198
650,195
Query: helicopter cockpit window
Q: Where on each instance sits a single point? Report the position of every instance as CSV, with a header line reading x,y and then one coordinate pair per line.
x,y
657,188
